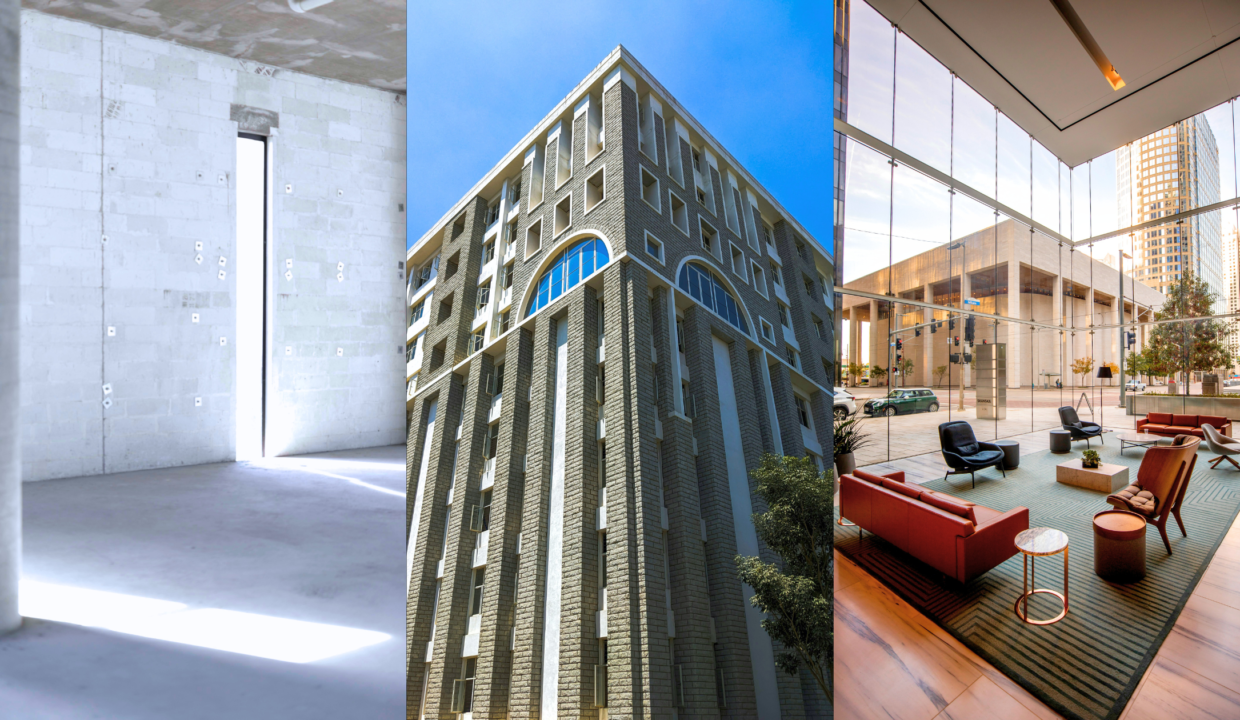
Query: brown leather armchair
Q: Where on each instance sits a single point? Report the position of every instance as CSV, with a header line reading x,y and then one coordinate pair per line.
x,y
1162,481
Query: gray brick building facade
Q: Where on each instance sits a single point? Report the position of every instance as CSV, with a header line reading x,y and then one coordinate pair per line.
x,y
579,475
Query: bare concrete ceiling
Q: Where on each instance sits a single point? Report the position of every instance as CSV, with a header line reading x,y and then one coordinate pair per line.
x,y
1177,59
357,41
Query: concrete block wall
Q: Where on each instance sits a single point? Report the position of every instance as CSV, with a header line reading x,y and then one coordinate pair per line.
x,y
131,138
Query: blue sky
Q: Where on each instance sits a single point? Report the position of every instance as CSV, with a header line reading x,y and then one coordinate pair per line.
x,y
756,75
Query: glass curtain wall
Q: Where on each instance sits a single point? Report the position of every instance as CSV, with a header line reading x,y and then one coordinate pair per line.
x,y
1024,289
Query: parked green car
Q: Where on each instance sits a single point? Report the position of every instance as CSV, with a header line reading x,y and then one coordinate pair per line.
x,y
903,401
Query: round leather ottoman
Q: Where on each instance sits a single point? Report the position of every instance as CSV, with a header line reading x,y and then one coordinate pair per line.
x,y
1119,546
1011,453
1061,441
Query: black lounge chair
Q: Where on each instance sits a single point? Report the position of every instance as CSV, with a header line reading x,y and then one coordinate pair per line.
x,y
964,454
1081,430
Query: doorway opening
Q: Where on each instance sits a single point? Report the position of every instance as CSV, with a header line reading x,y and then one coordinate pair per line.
x,y
250,268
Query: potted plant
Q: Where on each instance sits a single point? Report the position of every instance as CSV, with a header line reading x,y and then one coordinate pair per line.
x,y
1090,459
848,439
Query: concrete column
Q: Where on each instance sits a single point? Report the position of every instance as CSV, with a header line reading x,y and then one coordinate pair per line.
x,y
1016,359
10,445
854,335
875,357
927,347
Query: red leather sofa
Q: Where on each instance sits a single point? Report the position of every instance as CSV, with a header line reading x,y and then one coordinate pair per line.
x,y
1170,425
956,537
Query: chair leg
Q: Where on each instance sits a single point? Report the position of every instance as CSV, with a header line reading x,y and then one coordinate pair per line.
x,y
973,478
1162,529
1179,521
1219,459
1232,460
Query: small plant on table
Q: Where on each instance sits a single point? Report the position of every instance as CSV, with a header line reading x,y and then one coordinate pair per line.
x,y
1090,459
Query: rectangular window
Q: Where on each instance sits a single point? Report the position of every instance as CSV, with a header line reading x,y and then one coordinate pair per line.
x,y
416,313
809,285
411,351
654,248
680,214
497,384
680,336
686,398
768,331
777,275
477,341
650,191
492,214
463,689
759,277
802,251
802,410
794,358
602,321
488,251
514,191
485,504
563,214
697,160
709,237
818,326
475,599
738,261
594,190
484,299
769,234
505,276
783,315
503,322
491,443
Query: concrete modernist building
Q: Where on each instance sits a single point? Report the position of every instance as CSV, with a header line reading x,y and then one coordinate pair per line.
x,y
606,334
1174,169
1058,286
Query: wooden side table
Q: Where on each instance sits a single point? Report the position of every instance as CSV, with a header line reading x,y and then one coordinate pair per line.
x,y
1034,543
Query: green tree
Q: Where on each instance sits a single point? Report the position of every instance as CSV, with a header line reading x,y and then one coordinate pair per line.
x,y
856,369
939,372
1082,367
1198,343
798,527
878,373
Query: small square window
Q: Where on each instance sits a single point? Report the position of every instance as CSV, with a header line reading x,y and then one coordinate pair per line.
x,y
738,261
594,190
759,277
768,330
680,214
654,248
650,191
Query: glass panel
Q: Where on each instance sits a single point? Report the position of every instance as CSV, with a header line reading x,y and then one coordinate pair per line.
x,y
1014,150
870,67
923,122
973,139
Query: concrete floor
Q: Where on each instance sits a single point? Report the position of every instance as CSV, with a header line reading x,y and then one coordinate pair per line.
x,y
315,538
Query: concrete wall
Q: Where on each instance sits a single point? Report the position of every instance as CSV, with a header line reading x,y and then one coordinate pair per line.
x,y
10,430
131,138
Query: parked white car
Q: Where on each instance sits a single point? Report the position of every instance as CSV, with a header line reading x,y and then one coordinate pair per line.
x,y
1135,386
845,405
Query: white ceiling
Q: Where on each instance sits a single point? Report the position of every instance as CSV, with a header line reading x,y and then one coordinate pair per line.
x,y
1177,59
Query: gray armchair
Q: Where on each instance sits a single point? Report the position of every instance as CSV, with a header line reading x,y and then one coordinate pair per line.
x,y
1081,430
1221,444
964,454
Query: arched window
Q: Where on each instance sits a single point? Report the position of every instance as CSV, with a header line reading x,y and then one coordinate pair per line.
x,y
568,268
708,289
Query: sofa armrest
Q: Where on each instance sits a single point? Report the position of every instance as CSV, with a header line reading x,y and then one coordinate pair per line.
x,y
954,460
990,544
897,475
989,446
1142,422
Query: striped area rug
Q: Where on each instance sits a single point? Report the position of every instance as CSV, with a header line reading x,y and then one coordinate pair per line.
x,y
1088,664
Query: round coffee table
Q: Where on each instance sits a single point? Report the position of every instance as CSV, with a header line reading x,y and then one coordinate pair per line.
x,y
1011,453
1119,546
1136,439
1035,543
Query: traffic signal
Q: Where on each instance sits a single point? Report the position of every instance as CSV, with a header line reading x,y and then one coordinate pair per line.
x,y
1132,339
955,358
916,332
957,340
968,357
968,329
934,327
899,345
951,324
